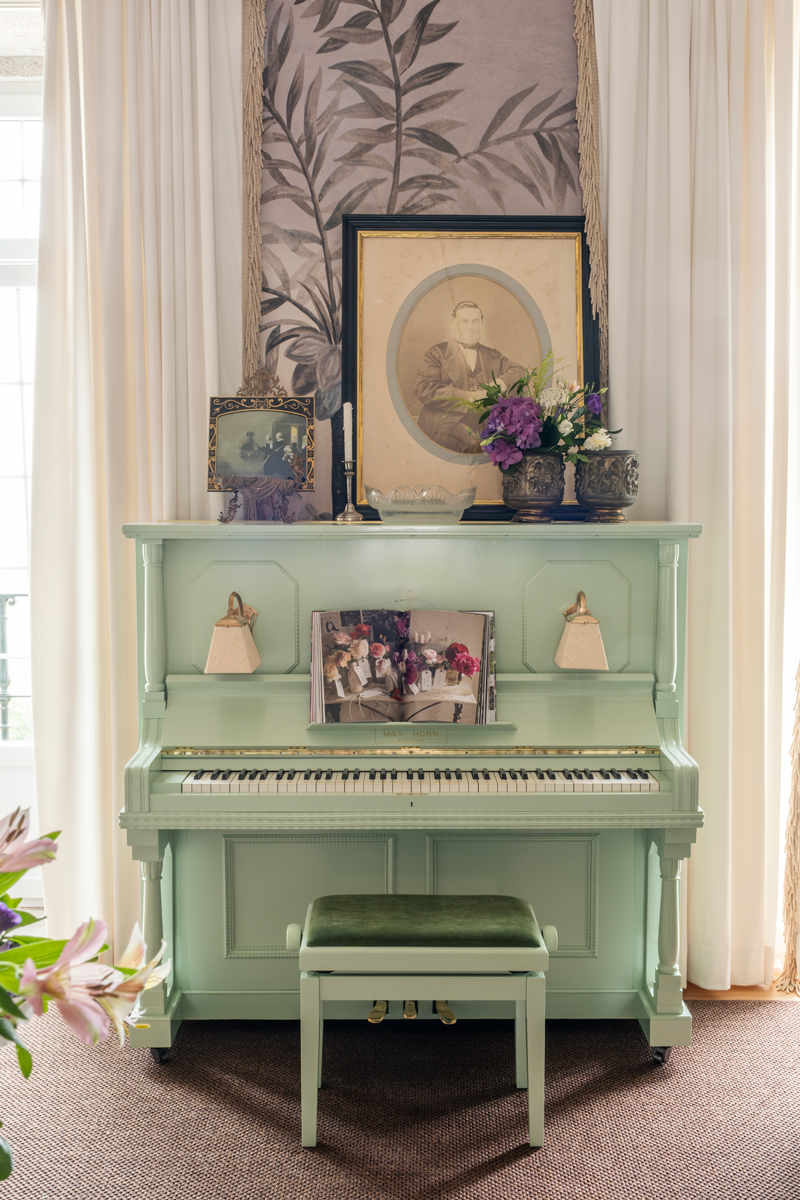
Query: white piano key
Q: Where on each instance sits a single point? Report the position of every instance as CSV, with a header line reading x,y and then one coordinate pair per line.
x,y
566,784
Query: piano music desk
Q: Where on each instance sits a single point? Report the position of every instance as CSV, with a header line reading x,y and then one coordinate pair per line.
x,y
226,869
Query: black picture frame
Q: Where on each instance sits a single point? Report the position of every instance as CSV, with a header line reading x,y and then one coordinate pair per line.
x,y
355,223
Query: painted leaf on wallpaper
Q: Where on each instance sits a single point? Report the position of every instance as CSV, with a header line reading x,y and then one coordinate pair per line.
x,y
372,130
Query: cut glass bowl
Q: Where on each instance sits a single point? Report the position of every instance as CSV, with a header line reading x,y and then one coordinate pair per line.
x,y
410,505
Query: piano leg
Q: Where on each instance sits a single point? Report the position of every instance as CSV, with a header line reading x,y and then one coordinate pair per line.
x,y
162,1005
668,994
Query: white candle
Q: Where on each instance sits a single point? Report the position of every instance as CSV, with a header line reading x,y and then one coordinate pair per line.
x,y
347,419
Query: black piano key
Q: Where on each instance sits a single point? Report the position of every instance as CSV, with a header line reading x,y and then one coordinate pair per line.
x,y
199,774
263,775
356,775
632,774
437,774
242,775
503,774
524,775
604,774
420,774
540,774
409,775
475,775
383,775
291,774
280,776
328,775
487,776
448,774
567,774
216,774
393,774
551,774
514,775
317,776
644,775
373,774
588,775
306,775
253,775
577,774
615,774
344,775
226,774
459,775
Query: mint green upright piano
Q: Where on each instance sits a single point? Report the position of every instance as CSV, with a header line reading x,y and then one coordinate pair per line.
x,y
225,871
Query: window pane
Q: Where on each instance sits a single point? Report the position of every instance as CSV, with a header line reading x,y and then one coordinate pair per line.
x,y
27,424
11,210
27,330
14,526
32,149
11,149
20,718
12,458
9,336
30,217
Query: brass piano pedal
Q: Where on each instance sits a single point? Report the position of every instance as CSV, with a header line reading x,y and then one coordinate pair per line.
x,y
378,1012
410,1010
446,1014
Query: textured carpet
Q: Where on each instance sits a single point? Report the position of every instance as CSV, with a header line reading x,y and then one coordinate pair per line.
x,y
413,1111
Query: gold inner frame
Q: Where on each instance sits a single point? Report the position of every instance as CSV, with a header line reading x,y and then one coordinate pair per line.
x,y
466,235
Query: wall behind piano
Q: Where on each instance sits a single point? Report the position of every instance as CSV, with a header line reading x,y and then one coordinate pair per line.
x,y
484,122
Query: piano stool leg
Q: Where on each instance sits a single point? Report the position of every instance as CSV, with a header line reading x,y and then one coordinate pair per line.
x,y
321,1032
520,1044
309,1055
534,1006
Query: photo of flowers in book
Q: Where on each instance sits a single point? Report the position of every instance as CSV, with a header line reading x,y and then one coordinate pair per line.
x,y
390,665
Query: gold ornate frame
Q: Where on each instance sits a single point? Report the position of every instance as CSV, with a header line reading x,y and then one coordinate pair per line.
x,y
300,406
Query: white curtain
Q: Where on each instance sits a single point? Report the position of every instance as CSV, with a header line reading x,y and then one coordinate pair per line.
x,y
700,149
139,254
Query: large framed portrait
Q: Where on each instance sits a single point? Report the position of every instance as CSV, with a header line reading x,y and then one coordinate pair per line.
x,y
253,438
433,307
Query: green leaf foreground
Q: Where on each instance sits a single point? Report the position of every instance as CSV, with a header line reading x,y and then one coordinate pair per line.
x,y
9,1005
6,1162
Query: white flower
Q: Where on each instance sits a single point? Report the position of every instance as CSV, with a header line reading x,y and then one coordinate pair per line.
x,y
550,398
597,441
574,386
565,427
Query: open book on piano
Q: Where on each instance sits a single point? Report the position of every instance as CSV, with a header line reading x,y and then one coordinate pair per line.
x,y
372,665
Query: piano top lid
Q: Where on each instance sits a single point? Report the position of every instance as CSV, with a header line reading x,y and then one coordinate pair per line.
x,y
580,710
314,530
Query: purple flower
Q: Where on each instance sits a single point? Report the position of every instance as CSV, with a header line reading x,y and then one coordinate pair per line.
x,y
9,917
594,404
503,453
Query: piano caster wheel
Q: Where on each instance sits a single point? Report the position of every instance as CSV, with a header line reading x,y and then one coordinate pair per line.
x,y
160,1054
661,1053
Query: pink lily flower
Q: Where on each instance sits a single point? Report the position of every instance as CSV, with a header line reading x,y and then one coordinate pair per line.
x,y
120,997
73,983
15,853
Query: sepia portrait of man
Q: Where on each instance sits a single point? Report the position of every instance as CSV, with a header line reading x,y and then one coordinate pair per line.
x,y
455,369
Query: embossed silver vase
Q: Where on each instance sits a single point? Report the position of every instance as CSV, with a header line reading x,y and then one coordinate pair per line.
x,y
607,483
535,487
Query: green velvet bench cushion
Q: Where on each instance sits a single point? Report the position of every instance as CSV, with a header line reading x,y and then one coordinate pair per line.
x,y
414,920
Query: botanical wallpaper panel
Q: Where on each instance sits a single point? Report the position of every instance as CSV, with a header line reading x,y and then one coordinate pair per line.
x,y
392,106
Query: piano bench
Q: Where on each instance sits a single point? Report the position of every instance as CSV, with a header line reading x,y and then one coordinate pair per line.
x,y
431,948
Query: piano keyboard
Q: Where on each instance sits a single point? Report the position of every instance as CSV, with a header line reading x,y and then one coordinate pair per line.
x,y
418,783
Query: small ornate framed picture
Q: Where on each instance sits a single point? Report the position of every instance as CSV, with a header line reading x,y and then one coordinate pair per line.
x,y
253,438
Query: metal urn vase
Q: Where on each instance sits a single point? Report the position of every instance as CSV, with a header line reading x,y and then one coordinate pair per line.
x,y
535,487
607,483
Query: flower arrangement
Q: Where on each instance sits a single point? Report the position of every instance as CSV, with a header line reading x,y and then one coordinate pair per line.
x,y
88,995
537,414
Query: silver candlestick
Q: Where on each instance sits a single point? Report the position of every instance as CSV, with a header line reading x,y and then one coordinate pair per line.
x,y
349,513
